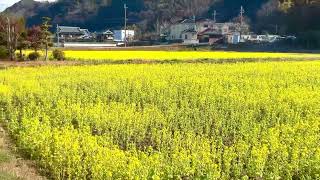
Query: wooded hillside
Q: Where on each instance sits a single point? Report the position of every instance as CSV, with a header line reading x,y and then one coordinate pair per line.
x,y
296,17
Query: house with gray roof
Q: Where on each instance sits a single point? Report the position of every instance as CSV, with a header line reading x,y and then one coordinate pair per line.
x,y
69,33
202,30
174,32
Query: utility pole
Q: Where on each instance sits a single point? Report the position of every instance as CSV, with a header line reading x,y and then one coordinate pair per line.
x,y
214,16
195,24
241,15
241,20
58,36
125,25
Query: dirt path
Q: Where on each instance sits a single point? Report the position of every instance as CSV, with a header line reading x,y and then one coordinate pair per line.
x,y
12,166
7,63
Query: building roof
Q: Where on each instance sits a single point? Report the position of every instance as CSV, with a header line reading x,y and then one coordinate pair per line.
x,y
187,21
85,31
201,19
191,30
108,32
69,29
210,31
198,20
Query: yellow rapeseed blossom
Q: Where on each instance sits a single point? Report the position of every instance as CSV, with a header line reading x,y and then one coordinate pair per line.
x,y
179,55
167,121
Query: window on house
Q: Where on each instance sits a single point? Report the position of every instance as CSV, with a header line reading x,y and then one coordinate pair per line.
x,y
206,25
186,36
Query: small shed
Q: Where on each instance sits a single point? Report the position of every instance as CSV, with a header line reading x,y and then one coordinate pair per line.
x,y
108,35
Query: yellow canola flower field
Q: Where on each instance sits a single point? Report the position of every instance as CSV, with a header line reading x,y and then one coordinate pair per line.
x,y
167,121
88,55
179,55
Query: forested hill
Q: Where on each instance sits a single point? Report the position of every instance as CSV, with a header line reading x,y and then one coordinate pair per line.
x,y
93,14
228,9
101,14
297,17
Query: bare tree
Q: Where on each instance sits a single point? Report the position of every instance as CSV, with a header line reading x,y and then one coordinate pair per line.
x,y
11,27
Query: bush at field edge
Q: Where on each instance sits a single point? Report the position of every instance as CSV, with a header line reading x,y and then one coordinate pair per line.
x,y
58,54
34,56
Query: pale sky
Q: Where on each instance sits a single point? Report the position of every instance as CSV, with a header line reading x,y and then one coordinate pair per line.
x,y
6,3
10,2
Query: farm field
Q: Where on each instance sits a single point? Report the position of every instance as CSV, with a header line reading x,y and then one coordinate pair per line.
x,y
87,55
176,55
167,121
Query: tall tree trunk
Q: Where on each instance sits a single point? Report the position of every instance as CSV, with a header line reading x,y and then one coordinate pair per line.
x,y
9,38
20,53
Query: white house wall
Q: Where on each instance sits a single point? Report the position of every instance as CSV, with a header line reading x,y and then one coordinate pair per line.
x,y
177,29
119,35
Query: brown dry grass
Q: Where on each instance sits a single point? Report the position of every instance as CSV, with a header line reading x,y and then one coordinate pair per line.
x,y
12,166
8,63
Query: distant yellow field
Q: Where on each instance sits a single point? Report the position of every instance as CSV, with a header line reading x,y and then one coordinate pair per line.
x,y
174,55
179,55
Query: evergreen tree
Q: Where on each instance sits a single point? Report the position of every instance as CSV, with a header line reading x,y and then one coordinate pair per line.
x,y
46,40
23,43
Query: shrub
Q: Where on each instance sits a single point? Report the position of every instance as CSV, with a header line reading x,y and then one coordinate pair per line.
x,y
3,52
21,57
34,56
58,54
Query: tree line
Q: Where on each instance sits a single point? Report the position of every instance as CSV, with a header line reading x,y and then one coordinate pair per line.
x,y
15,36
295,17
283,17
